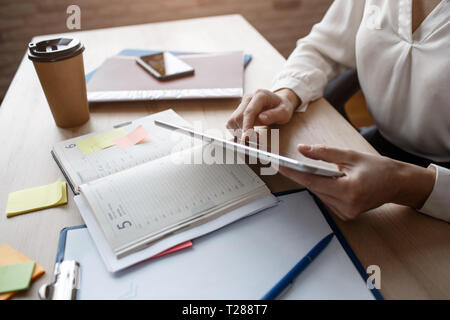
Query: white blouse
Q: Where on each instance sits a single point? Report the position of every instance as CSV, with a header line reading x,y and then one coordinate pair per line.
x,y
405,76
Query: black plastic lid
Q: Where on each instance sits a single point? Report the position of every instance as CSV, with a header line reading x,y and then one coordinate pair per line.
x,y
56,49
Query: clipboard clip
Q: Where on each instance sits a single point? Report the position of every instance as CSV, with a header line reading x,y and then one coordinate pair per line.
x,y
65,284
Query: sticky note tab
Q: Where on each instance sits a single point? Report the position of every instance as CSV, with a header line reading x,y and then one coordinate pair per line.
x,y
16,277
134,137
37,198
178,247
9,255
100,141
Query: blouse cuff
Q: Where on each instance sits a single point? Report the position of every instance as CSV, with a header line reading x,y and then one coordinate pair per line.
x,y
438,202
298,87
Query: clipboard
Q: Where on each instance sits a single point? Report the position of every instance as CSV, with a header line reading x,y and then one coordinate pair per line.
x,y
339,236
129,283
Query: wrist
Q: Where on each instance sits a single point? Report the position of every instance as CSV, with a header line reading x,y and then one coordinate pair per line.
x,y
290,96
415,184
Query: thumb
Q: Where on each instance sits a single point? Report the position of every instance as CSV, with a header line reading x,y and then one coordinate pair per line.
x,y
328,154
278,115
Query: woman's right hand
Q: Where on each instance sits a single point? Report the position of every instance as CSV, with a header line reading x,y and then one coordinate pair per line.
x,y
265,107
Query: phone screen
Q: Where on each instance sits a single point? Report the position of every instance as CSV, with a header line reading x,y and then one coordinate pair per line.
x,y
165,65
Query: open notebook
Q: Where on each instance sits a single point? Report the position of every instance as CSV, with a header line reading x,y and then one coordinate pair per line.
x,y
139,195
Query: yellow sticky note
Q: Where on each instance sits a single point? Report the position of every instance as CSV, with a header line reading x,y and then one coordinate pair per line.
x,y
36,198
9,255
100,141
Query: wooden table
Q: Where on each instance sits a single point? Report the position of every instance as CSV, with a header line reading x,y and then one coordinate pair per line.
x,y
412,250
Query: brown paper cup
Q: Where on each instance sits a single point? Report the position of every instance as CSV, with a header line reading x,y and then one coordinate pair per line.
x,y
61,73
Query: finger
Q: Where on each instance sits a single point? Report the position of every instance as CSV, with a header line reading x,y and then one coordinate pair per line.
x,y
235,121
261,100
278,115
315,183
236,133
232,123
328,154
249,137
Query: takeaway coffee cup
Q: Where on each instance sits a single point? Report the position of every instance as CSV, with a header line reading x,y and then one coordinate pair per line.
x,y
59,66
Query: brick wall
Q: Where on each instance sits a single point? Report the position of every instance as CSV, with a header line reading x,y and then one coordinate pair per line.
x,y
282,22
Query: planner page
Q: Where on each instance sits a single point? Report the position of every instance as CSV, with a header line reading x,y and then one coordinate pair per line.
x,y
81,168
138,206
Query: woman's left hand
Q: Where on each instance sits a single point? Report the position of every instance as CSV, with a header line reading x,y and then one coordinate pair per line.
x,y
369,181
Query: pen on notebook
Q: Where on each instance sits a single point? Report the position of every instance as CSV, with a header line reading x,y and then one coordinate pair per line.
x,y
298,268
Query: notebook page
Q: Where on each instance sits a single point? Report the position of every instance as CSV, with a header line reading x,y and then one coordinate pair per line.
x,y
135,204
84,168
114,264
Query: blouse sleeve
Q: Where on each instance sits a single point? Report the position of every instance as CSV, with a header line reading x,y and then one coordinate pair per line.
x,y
438,202
328,50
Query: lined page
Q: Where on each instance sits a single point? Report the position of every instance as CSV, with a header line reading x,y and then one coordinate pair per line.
x,y
141,201
85,168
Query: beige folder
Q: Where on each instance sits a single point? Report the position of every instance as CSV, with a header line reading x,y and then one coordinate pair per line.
x,y
217,75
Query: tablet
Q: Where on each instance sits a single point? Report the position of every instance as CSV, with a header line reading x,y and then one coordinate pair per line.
x,y
309,166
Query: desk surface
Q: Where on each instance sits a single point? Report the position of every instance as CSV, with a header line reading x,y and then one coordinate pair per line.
x,y
412,250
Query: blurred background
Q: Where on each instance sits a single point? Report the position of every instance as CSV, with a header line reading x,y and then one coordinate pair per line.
x,y
281,22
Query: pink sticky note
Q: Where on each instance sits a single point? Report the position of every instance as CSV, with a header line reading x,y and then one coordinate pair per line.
x,y
132,138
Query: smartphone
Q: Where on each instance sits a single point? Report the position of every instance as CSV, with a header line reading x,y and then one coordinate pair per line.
x,y
165,66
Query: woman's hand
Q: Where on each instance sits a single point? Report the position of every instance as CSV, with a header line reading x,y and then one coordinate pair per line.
x,y
369,181
264,107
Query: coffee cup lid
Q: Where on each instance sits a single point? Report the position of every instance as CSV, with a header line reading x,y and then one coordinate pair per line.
x,y
56,49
